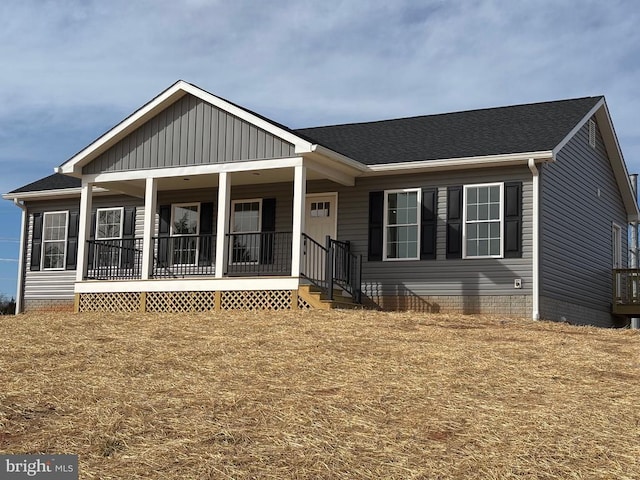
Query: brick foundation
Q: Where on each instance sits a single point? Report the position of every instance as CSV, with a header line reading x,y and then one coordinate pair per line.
x,y
515,305
48,305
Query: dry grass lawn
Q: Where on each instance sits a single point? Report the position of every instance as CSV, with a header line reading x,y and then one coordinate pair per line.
x,y
337,395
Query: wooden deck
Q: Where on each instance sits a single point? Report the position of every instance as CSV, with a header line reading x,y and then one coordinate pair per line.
x,y
626,292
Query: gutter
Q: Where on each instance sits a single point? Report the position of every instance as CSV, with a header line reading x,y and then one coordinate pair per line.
x,y
535,243
19,288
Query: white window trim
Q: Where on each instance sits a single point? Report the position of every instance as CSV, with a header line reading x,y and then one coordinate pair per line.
x,y
44,242
385,224
232,229
173,234
616,245
98,223
464,220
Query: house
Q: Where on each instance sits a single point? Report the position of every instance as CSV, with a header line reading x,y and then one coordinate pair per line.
x,y
195,203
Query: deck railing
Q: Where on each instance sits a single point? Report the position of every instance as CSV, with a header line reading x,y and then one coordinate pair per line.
x,y
114,259
182,256
263,253
626,287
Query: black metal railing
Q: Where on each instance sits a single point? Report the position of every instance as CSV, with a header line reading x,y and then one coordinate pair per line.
x,y
182,256
347,269
264,253
114,259
331,265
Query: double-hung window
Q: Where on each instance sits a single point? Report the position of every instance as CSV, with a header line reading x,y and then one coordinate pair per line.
x,y
402,224
54,240
246,225
483,218
185,227
109,234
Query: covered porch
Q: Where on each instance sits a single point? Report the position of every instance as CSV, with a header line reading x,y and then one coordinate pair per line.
x,y
230,240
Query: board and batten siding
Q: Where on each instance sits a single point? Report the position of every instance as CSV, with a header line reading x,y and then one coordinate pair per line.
x,y
442,276
190,132
580,201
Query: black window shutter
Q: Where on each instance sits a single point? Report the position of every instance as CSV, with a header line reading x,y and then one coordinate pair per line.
x,y
127,258
454,222
376,226
429,223
164,230
206,253
513,220
92,236
268,225
36,241
72,240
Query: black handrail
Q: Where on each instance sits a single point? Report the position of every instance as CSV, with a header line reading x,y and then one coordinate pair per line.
x,y
332,265
180,256
119,259
260,253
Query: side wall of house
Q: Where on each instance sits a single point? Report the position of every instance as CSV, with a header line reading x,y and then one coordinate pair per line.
x,y
580,203
53,289
440,285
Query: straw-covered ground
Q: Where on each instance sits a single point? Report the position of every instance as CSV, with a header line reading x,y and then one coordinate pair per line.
x,y
321,395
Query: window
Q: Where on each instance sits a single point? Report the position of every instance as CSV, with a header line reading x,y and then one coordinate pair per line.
x,y
320,209
185,225
482,227
246,227
54,240
401,224
109,232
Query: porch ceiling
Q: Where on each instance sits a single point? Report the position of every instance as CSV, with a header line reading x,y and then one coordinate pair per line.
x,y
189,182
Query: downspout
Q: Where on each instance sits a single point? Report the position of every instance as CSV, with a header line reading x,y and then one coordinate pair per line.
x,y
535,242
19,289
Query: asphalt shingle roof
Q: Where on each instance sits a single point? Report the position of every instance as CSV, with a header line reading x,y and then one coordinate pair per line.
x,y
491,131
52,182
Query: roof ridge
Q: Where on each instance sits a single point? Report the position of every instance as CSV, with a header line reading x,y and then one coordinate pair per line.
x,y
413,117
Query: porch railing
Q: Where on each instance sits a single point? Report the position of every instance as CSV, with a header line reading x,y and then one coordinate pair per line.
x,y
181,256
114,259
330,265
626,286
264,253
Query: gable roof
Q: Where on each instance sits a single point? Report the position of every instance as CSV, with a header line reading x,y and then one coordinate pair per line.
x,y
475,133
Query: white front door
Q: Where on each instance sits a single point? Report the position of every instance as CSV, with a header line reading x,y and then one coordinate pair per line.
x,y
321,212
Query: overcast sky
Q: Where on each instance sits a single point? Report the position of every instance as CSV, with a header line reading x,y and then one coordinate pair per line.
x,y
71,69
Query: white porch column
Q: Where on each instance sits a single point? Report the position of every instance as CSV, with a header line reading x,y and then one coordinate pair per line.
x,y
86,198
224,207
299,196
150,201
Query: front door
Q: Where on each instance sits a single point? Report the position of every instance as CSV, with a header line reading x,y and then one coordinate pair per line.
x,y
321,212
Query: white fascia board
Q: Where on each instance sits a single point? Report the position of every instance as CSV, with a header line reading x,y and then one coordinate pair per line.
x,y
326,152
459,163
248,166
330,173
46,194
618,164
74,165
578,126
188,285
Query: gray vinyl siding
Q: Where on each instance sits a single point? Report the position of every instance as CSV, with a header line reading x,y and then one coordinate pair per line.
x,y
580,202
442,276
59,284
190,132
